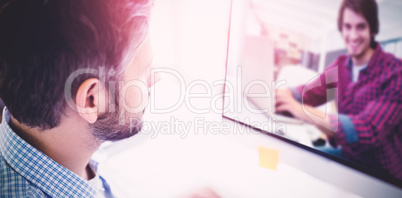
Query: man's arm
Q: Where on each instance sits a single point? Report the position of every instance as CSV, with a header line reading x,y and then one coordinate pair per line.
x,y
287,103
384,113
314,92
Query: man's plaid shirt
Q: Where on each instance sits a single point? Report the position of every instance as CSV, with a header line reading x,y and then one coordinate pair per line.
x,y
369,123
27,172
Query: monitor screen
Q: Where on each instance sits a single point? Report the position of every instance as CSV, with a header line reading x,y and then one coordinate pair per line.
x,y
317,74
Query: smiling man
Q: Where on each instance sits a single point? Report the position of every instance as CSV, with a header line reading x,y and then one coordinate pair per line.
x,y
47,138
368,127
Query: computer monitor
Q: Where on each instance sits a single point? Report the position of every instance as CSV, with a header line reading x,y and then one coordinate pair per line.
x,y
274,44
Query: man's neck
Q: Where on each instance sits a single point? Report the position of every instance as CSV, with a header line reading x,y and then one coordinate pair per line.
x,y
364,59
69,144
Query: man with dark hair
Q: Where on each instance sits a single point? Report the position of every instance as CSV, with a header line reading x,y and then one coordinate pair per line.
x,y
73,74
368,125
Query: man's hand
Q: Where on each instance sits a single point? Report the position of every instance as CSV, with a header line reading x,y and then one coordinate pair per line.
x,y
201,193
285,102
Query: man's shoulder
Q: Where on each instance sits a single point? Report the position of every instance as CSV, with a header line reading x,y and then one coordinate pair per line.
x,y
340,62
15,185
390,61
342,58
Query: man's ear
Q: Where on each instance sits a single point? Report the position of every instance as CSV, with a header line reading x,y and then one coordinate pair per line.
x,y
88,99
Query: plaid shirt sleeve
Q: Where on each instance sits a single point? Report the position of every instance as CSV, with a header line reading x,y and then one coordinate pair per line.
x,y
314,93
381,114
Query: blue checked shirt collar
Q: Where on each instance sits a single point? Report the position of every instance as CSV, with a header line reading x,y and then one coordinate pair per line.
x,y
52,178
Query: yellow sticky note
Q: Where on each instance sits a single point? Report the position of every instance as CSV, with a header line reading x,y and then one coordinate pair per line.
x,y
269,158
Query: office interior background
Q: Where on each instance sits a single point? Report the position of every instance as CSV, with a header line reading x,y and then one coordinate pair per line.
x,y
191,38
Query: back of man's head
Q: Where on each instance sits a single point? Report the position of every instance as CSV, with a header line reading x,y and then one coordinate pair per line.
x,y
43,41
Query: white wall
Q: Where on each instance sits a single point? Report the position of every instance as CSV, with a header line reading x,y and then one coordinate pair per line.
x,y
191,37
